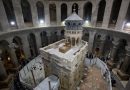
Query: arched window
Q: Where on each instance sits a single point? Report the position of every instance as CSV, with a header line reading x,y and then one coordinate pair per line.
x,y
26,10
76,7
52,9
114,13
9,12
101,10
128,14
40,10
88,11
32,45
127,19
63,12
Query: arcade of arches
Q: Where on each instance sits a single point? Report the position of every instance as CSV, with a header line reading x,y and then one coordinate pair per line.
x,y
27,25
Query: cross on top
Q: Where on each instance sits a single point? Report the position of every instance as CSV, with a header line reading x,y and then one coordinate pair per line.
x,y
74,8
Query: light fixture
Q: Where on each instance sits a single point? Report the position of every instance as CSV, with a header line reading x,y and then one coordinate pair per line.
x,y
41,21
12,23
86,21
128,24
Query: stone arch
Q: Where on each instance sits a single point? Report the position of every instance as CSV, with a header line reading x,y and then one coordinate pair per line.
x,y
32,44
87,11
26,10
76,7
63,11
44,38
40,10
101,10
9,10
6,54
52,9
19,49
114,13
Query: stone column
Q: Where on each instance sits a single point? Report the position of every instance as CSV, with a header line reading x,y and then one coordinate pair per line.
x,y
90,41
26,47
38,40
114,49
3,74
3,18
47,13
12,52
107,13
69,9
102,43
94,14
113,62
58,13
34,12
122,14
49,37
81,6
126,62
124,67
18,13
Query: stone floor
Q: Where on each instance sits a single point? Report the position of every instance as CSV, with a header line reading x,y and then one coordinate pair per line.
x,y
93,80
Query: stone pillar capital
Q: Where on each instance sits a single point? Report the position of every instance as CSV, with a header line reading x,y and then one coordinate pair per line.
x,y
103,37
116,41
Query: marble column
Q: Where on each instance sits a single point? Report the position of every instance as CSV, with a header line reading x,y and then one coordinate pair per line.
x,y
3,74
94,14
25,45
38,40
58,13
34,13
91,41
123,74
102,43
114,49
12,51
107,13
122,14
3,18
18,13
47,13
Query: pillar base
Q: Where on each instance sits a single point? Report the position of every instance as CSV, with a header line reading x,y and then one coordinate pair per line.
x,y
122,75
7,82
111,64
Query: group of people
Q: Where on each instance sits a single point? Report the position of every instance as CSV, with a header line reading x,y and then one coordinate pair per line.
x,y
91,56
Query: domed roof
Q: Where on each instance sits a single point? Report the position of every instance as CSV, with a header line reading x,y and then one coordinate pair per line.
x,y
74,17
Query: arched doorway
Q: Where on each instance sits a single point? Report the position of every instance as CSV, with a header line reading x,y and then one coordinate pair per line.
x,y
87,11
9,12
19,49
5,55
52,9
40,11
86,37
26,10
32,45
114,13
127,19
101,10
44,38
75,8
63,12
